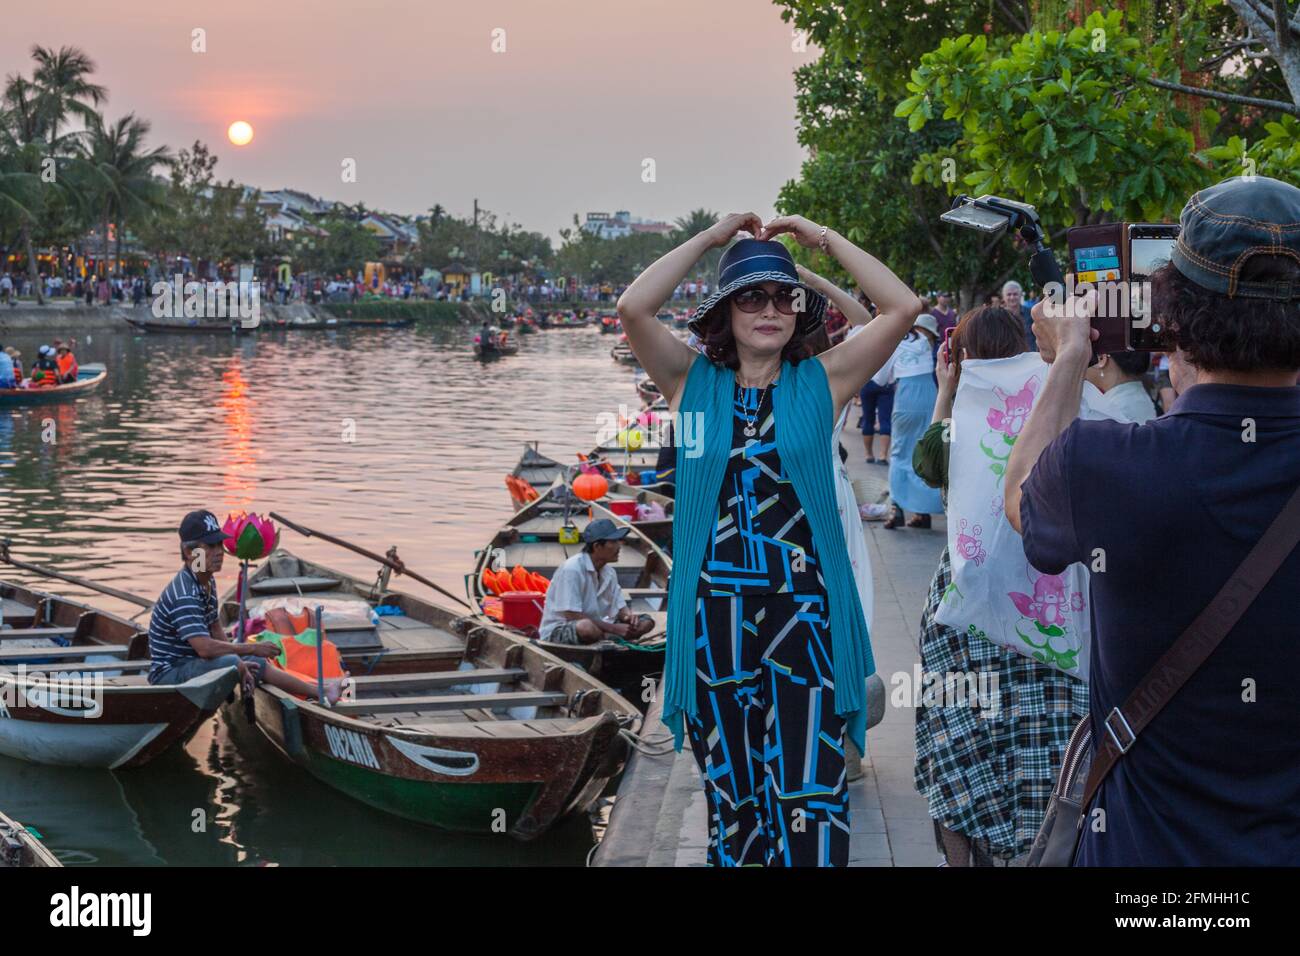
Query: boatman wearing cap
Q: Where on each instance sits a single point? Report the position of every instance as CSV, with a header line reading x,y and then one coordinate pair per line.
x,y
185,639
584,603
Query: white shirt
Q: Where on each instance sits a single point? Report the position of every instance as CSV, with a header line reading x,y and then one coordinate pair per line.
x,y
1127,402
912,357
574,587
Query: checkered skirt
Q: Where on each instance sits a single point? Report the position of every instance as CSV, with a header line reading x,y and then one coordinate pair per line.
x,y
988,773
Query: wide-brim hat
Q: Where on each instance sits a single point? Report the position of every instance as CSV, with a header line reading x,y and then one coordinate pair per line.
x,y
751,262
928,322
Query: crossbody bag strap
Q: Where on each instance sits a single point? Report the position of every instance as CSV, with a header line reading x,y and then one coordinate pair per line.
x,y
1194,646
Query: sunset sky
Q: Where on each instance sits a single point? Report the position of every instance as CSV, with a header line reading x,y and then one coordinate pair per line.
x,y
559,123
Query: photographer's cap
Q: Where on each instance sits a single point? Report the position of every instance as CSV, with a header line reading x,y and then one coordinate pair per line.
x,y
602,529
202,526
1242,221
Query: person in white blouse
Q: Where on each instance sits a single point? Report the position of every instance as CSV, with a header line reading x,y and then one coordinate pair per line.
x,y
1124,395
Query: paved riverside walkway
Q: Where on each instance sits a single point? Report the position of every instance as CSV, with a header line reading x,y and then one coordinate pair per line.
x,y
659,818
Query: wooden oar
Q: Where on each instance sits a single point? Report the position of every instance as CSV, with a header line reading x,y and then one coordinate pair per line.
x,y
396,565
72,578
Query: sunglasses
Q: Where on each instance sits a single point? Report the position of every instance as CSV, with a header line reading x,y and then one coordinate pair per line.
x,y
756,300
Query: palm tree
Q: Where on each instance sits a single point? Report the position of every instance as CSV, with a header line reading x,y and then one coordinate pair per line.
x,y
122,172
64,90
696,222
22,131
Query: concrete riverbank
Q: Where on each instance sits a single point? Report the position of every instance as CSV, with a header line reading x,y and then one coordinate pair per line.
x,y
660,816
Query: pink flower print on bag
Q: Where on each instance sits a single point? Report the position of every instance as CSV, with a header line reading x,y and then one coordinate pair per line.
x,y
1049,609
968,545
1010,419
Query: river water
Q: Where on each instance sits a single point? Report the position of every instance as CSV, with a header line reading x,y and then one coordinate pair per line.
x,y
380,436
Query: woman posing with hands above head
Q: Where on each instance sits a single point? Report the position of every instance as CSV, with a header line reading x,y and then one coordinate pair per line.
x,y
768,651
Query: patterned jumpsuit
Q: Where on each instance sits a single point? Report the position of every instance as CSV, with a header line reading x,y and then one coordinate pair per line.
x,y
766,735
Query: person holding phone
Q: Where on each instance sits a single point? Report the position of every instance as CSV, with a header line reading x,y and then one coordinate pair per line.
x,y
986,773
1214,778
768,649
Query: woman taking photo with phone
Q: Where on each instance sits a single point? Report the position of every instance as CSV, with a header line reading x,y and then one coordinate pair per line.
x,y
768,651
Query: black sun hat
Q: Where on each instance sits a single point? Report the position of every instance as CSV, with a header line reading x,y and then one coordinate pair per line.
x,y
751,262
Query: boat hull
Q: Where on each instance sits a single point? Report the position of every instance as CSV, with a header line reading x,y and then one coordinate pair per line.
x,y
464,784
113,727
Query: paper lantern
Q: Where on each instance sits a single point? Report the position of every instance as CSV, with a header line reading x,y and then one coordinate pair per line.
x,y
590,487
249,537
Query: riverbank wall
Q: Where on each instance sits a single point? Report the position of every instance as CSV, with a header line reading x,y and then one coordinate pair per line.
x,y
66,315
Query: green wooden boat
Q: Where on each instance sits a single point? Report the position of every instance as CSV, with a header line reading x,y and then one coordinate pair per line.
x,y
454,723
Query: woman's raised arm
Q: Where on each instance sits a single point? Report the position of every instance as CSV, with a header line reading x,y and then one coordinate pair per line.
x,y
665,357
849,364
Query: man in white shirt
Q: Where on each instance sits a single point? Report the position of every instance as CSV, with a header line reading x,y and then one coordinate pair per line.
x,y
584,604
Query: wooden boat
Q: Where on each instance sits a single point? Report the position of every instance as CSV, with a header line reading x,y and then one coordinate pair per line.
x,y
20,847
455,723
379,323
210,326
73,687
89,378
509,347
531,538
305,325
649,391
539,472
623,355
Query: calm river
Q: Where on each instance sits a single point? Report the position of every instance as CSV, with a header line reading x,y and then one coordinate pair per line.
x,y
380,436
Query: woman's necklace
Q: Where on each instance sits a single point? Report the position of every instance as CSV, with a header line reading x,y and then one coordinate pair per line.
x,y
751,426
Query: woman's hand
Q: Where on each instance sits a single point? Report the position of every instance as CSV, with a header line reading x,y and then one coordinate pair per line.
x,y
725,229
946,371
806,232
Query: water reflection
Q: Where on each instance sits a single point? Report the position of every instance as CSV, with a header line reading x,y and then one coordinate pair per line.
x,y
379,436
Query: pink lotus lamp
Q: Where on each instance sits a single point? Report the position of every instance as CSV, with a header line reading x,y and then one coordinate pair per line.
x,y
249,537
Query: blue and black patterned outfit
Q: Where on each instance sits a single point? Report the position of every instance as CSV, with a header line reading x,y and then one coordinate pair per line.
x,y
767,737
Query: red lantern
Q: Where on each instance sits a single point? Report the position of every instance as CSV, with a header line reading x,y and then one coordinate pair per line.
x,y
590,487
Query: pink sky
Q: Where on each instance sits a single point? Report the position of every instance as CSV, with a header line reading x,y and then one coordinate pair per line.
x,y
557,124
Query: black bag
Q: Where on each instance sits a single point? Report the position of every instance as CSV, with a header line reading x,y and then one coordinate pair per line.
x,y
1084,767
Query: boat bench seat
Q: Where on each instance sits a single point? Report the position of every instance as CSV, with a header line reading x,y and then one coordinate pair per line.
x,y
62,653
451,702
633,593
387,683
27,633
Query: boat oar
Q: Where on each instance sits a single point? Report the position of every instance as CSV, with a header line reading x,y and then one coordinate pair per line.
x,y
72,578
396,565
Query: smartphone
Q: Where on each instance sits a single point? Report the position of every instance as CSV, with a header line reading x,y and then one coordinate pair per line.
x,y
1150,245
1097,256
947,343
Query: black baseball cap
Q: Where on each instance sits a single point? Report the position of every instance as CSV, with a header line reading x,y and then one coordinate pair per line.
x,y
602,529
202,526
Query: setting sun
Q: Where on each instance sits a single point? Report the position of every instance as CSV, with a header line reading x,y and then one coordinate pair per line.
x,y
240,133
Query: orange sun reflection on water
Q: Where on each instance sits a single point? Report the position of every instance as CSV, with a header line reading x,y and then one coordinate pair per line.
x,y
238,461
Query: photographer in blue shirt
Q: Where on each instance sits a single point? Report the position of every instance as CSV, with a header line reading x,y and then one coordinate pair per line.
x,y
1214,778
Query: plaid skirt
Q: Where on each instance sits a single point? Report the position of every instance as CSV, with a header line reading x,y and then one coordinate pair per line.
x,y
987,770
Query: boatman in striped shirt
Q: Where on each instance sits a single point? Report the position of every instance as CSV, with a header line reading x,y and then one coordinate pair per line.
x,y
185,639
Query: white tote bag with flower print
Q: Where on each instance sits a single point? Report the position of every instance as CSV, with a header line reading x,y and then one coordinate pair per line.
x,y
995,593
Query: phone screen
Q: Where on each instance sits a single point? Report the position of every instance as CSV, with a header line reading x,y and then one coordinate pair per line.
x,y
1150,247
1096,264
947,344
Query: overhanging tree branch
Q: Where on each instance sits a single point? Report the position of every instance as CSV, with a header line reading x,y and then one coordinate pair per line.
x,y
1280,105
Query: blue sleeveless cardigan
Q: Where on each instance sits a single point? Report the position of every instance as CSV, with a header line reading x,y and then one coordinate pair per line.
x,y
804,420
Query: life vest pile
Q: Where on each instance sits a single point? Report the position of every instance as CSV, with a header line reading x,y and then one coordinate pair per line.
x,y
519,579
520,491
